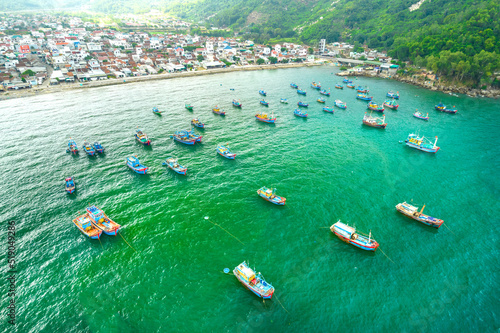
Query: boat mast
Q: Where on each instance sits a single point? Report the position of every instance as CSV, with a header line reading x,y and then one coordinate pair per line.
x,y
422,209
369,236
435,142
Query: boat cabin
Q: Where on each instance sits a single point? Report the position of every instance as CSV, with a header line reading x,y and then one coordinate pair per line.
x,y
246,273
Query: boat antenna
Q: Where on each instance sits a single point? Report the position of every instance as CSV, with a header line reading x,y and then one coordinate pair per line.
x,y
369,236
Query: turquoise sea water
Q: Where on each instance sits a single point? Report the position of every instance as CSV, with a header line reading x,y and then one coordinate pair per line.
x,y
329,167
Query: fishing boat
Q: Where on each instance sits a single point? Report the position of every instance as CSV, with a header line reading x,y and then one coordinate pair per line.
x,y
303,104
98,147
420,115
225,152
156,111
328,109
237,103
264,117
262,92
421,143
392,94
173,164
102,222
70,185
349,235
142,137
350,85
188,106
339,86
324,92
378,122
441,107
360,89
263,102
193,135
294,86
218,111
85,225
196,122
301,92
87,147
412,212
315,85
284,101
391,104
375,107
134,164
346,80
184,137
321,100
299,113
340,104
252,281
72,147
363,97
269,195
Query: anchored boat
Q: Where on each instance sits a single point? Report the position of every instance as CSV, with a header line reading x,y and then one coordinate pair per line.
x,y
391,104
264,117
303,104
237,103
87,147
363,97
98,147
294,86
378,122
328,109
441,107
299,113
321,100
350,85
192,135
252,281
412,212
262,92
315,85
173,164
393,94
70,185
156,111
188,106
72,147
360,89
421,143
284,101
346,80
375,107
268,194
142,137
263,102
184,137
420,115
324,92
349,235
85,225
196,122
340,104
102,222
225,152
134,164
218,111
301,92
339,86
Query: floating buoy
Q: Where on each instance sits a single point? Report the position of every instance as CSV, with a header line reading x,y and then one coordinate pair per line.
x,y
206,217
226,270
400,141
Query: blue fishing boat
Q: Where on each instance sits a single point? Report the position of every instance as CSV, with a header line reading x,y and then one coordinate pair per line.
x,y
303,104
392,94
420,115
263,102
188,106
375,107
339,86
378,122
172,163
340,104
391,104
350,85
363,97
315,85
70,185
264,117
301,92
253,282
328,109
299,113
346,80
225,152
196,122
324,92
184,137
421,143
195,136
237,103
284,101
87,147
321,100
98,147
349,235
360,89
84,224
294,86
269,195
156,111
72,147
142,137
99,220
413,213
441,107
218,111
134,164
262,92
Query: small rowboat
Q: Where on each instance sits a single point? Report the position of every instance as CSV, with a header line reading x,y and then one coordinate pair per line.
x,y
284,101
412,212
87,147
301,92
320,100
188,106
237,103
102,222
142,137
420,115
196,122
346,80
350,85
349,235
262,92
393,94
363,97
378,122
303,104
85,225
218,111
173,164
324,92
156,111
225,152
421,143
299,113
264,117
268,194
98,147
391,104
339,86
70,185
441,107
72,147
375,107
340,104
360,89
264,103
253,282
294,86
328,109
134,164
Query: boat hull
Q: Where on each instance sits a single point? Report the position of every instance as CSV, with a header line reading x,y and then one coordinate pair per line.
x,y
219,113
141,171
256,292
93,233
302,115
328,110
268,121
372,247
189,142
394,107
70,190
427,220
420,117
280,201
179,171
146,143
228,156
374,125
427,150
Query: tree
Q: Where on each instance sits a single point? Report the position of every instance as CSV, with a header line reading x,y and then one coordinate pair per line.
x,y
29,72
260,61
310,50
200,58
273,60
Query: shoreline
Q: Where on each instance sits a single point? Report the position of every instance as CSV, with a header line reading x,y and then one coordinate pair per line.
x,y
110,82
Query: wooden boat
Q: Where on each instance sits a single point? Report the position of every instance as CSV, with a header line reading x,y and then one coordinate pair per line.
x,y
218,111
225,152
237,103
301,92
188,106
156,111
378,122
192,135
98,147
102,222
321,100
350,85
324,92
412,212
262,92
263,102
340,104
173,164
363,97
328,109
339,86
299,113
264,117
441,107
72,147
268,194
284,101
196,122
360,89
421,143
420,115
303,104
134,164
87,147
294,86
349,235
252,281
393,94
85,225
391,104
142,137
184,137
315,85
375,107
70,185
346,80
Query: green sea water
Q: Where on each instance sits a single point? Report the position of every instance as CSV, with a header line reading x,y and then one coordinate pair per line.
x,y
328,166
